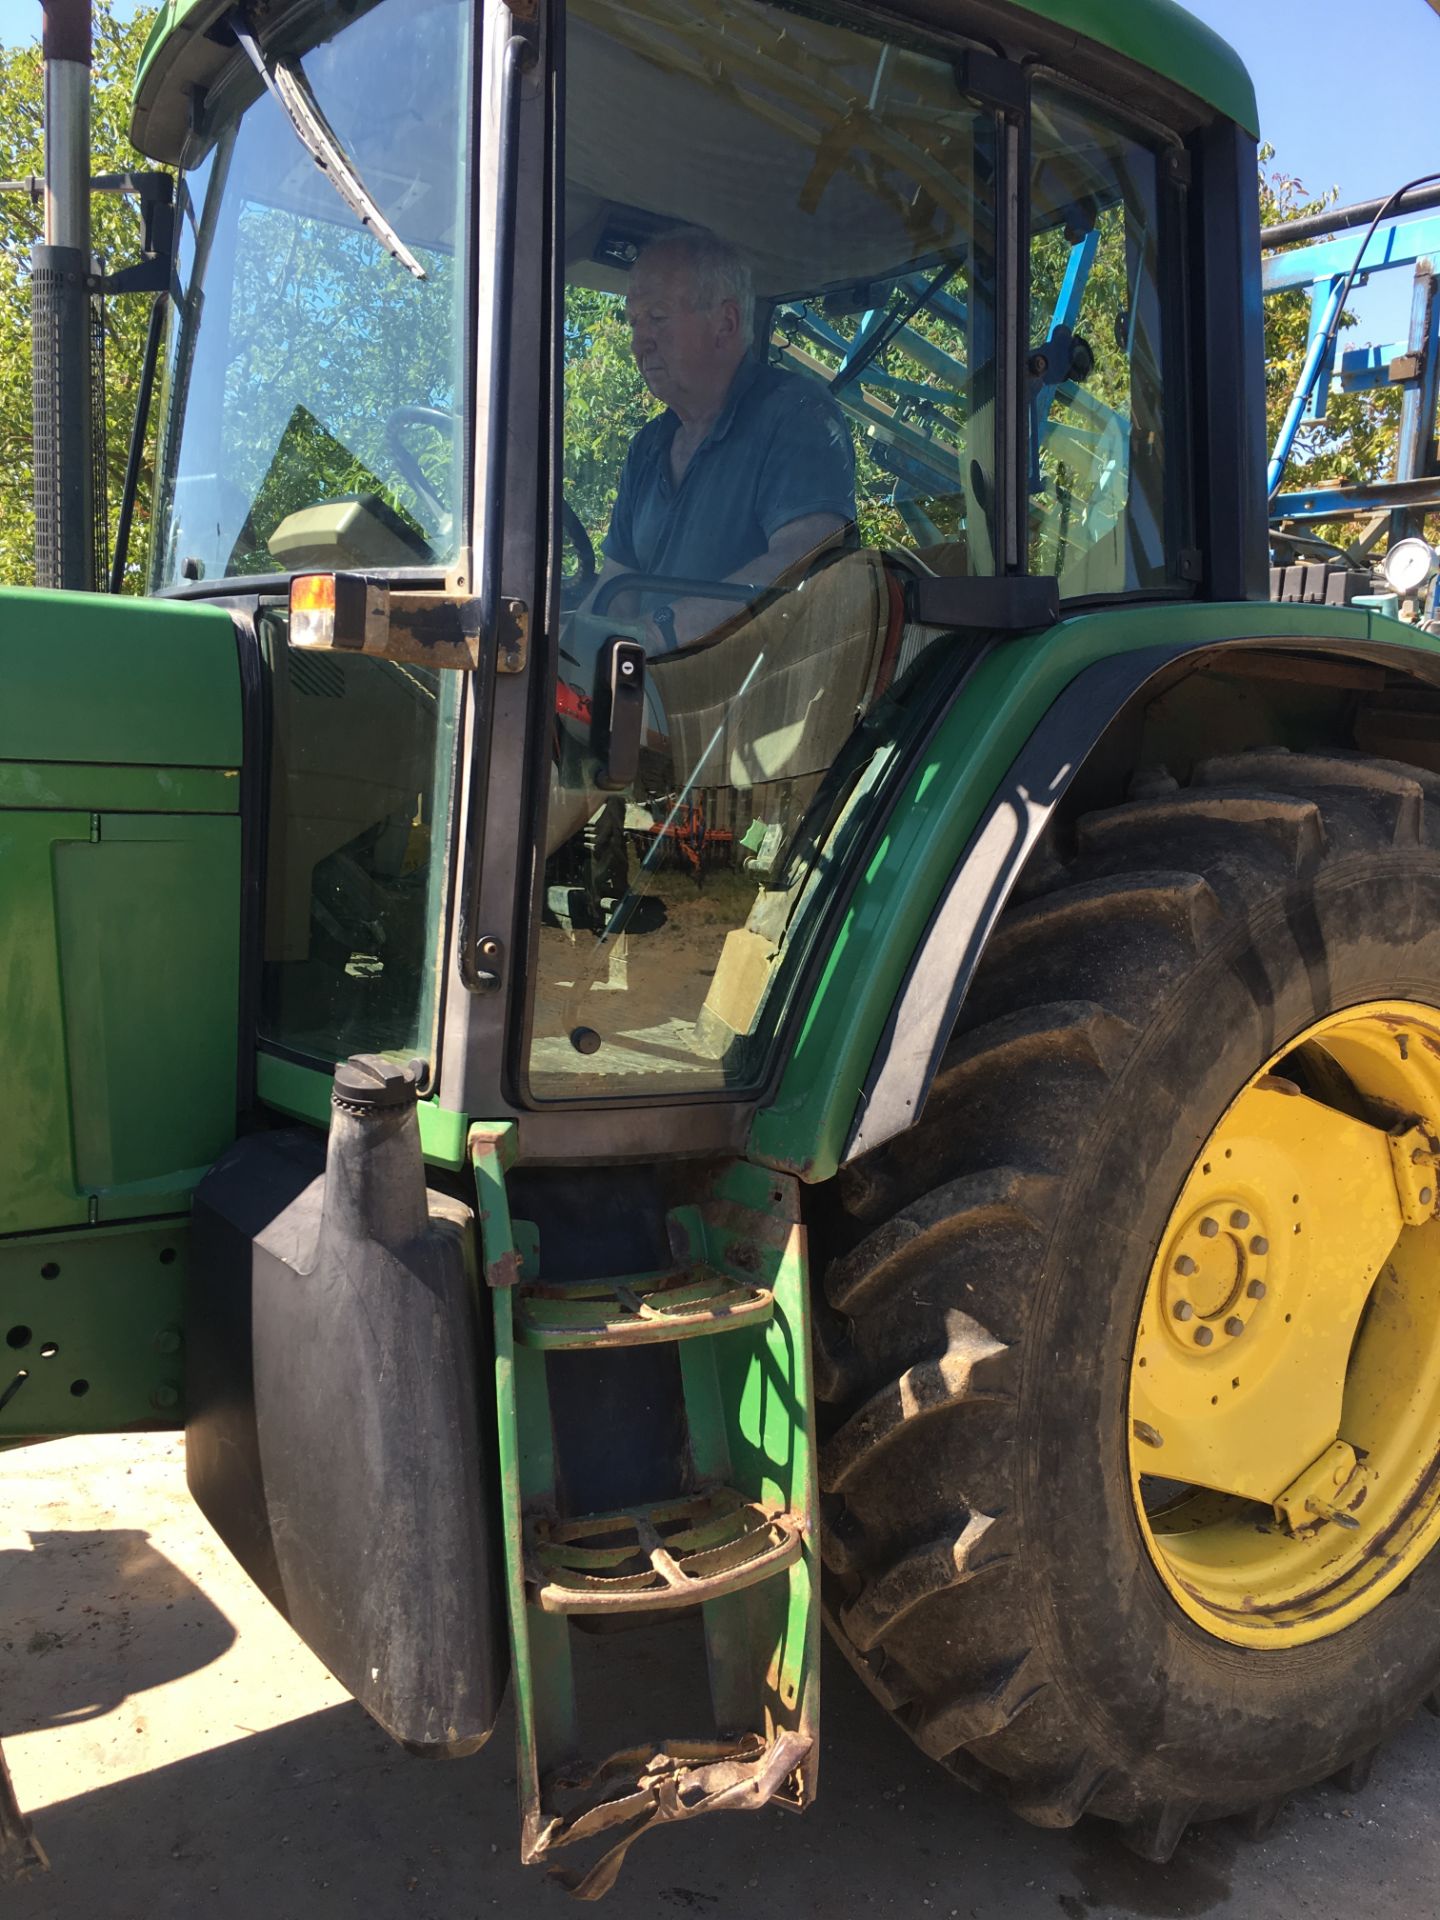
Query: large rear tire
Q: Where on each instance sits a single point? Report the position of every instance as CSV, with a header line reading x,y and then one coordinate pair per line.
x,y
998,1562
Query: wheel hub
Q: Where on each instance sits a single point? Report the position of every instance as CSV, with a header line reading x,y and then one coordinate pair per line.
x,y
1285,1378
1213,1274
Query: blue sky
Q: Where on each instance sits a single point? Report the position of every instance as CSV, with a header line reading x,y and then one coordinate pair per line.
x,y
1347,96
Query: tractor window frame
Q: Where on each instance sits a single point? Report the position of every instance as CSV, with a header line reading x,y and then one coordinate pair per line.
x,y
1172,291
974,64
499,884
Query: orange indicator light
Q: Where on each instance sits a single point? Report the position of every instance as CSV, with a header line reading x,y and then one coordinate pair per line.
x,y
312,593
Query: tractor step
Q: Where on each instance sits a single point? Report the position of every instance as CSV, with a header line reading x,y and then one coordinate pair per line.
x,y
639,1312
679,1554
726,1537
645,1786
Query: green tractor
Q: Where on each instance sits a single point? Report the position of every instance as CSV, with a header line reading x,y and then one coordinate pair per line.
x,y
801,1006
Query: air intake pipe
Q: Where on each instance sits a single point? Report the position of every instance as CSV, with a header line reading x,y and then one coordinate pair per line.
x,y
60,295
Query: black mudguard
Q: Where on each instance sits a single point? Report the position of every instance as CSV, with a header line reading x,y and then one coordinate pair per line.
x,y
335,1437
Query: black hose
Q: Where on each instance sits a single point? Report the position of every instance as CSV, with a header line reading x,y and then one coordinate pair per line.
x,y
137,441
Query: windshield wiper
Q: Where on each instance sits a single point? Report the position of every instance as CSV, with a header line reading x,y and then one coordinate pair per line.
x,y
285,80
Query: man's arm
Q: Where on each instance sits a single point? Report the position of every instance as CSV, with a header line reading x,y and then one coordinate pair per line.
x,y
789,547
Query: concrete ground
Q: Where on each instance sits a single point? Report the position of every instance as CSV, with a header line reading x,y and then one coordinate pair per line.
x,y
182,1754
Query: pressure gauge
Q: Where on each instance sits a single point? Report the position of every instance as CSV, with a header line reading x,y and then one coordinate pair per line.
x,y
1409,564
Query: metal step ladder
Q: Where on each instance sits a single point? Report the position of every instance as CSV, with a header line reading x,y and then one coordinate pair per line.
x,y
738,1541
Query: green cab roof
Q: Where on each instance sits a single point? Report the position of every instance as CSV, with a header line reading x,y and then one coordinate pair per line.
x,y
181,59
1169,40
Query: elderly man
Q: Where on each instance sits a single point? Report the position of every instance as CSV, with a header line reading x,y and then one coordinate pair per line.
x,y
749,469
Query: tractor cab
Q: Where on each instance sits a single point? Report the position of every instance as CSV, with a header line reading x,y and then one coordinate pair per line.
x,y
956,255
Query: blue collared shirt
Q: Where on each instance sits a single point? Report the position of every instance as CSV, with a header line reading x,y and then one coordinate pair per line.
x,y
779,450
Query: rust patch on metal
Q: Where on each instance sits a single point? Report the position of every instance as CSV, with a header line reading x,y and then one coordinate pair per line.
x,y
503,1271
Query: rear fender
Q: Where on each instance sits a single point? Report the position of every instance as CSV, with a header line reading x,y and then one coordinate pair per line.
x,y
1066,743
948,853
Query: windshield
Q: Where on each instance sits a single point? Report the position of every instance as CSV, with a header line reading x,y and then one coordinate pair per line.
x,y
312,409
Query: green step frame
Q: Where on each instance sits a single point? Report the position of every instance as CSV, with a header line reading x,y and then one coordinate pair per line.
x,y
742,1544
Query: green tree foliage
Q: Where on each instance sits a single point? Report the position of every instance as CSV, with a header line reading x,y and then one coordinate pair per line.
x,y
1356,442
606,403
116,237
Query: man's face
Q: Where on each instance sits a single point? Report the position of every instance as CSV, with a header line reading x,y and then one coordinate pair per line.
x,y
683,353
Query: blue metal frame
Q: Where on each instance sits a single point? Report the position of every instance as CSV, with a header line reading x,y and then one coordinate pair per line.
x,y
916,460
1322,270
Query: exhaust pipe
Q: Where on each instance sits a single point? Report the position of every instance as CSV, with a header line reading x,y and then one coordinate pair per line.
x,y
60,295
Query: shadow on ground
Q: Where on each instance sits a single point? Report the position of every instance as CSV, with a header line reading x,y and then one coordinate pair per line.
x,y
326,1817
91,1645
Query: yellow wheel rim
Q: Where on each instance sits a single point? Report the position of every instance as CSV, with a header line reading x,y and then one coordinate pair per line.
x,y
1285,1378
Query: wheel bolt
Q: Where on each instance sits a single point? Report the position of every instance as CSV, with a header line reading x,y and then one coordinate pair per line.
x,y
1209,1228
1427,1194
1256,1289
1185,1266
1184,1310
1234,1326
1203,1336
1240,1219
1259,1244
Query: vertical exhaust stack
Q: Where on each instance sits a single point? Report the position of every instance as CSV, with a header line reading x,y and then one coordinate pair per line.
x,y
64,486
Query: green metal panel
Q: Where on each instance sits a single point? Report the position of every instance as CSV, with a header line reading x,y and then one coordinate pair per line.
x,y
119,966
180,58
806,1125
1168,40
90,1337
304,1093
38,1188
120,789
91,677
149,929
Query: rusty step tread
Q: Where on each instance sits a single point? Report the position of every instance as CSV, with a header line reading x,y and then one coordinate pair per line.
x,y
638,1311
677,1553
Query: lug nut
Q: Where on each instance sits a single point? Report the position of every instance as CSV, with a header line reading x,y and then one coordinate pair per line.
x,y
1427,1195
1256,1289
1146,1434
1203,1336
1234,1326
1184,1310
1209,1227
1185,1266
1259,1244
1240,1219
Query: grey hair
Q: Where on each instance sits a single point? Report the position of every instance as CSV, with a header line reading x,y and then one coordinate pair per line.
x,y
718,271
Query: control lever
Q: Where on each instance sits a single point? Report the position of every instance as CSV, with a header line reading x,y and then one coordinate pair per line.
x,y
619,712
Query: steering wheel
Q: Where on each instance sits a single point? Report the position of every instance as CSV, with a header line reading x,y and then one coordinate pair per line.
x,y
405,463
573,528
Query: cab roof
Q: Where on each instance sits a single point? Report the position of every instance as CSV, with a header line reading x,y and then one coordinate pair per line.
x,y
181,57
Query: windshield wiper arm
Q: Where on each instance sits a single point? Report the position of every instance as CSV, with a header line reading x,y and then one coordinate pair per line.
x,y
285,80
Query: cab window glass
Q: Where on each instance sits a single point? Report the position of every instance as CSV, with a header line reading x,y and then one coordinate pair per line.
x,y
779,408
311,406
361,760
1099,466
